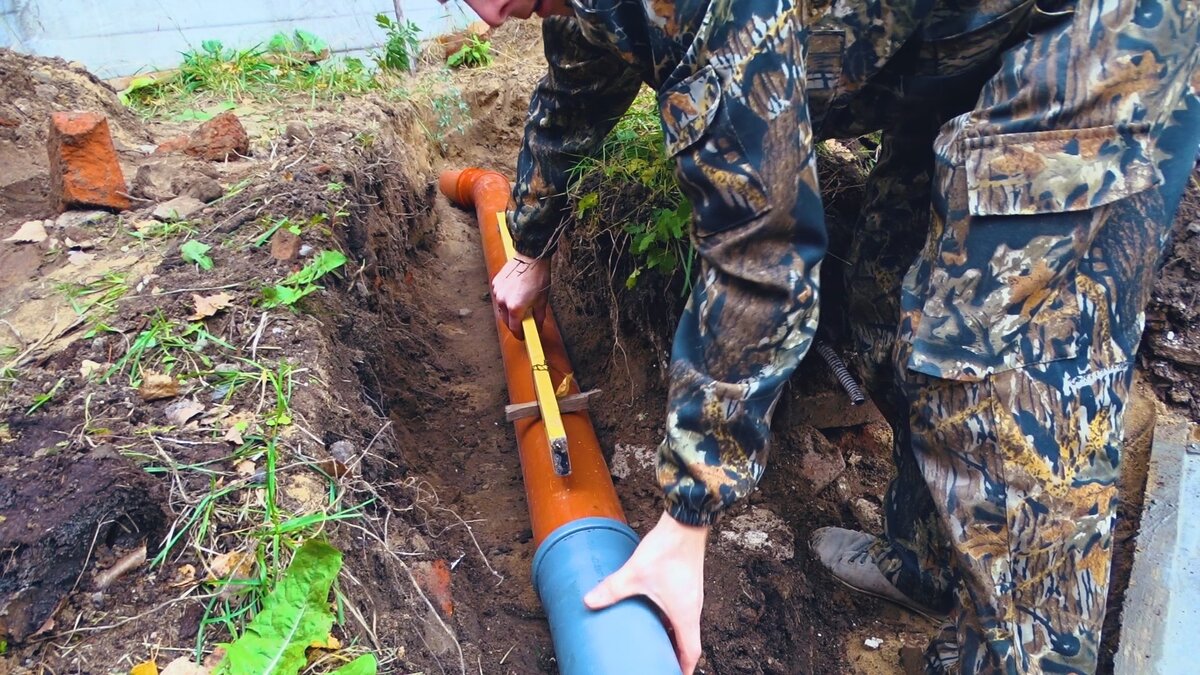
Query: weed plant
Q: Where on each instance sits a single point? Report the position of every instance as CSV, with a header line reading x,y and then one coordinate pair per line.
x,y
655,225
401,47
477,53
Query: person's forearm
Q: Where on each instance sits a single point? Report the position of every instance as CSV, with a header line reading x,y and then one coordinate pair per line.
x,y
584,92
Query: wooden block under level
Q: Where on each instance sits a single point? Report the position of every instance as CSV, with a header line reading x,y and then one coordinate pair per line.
x,y
571,403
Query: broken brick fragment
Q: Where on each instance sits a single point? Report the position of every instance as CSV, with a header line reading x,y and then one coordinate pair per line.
x,y
84,171
219,139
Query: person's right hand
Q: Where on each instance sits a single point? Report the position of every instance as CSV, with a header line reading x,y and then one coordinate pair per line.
x,y
521,286
667,568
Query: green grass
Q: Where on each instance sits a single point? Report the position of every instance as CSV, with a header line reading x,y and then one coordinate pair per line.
x,y
217,73
42,399
96,300
167,346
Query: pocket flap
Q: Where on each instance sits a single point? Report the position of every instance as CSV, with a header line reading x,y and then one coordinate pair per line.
x,y
1057,171
688,108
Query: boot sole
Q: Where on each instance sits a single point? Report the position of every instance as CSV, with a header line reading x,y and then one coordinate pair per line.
x,y
915,609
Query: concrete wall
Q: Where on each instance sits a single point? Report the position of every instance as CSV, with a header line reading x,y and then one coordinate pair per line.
x,y
123,37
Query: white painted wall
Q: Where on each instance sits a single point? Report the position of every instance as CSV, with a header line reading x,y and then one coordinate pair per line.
x,y
122,37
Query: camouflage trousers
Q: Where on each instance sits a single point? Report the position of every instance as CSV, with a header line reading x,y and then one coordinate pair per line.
x,y
1036,215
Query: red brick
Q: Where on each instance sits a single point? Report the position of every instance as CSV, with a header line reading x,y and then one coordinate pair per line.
x,y
84,171
219,139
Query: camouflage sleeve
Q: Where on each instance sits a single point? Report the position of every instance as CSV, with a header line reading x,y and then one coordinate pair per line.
x,y
738,127
575,105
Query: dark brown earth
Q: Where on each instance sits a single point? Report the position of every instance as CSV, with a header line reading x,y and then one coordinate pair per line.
x,y
397,407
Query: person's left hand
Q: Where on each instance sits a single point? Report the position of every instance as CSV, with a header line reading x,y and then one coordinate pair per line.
x,y
668,568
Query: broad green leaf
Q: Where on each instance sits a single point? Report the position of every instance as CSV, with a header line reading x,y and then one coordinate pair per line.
x,y
293,616
363,665
277,295
196,252
322,263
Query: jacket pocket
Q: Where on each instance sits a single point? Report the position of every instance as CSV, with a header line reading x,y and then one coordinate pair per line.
x,y
713,168
1057,171
1003,289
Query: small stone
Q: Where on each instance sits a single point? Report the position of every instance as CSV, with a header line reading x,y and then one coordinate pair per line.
x,y
464,313
1179,395
79,218
80,259
305,250
80,245
820,462
873,643
298,131
868,514
203,188
285,244
84,170
32,232
1194,227
87,368
343,451
760,530
179,208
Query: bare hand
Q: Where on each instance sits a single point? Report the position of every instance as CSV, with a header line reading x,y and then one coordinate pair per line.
x,y
667,568
521,286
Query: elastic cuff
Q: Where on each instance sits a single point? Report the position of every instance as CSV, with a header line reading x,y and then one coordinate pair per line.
x,y
689,516
534,249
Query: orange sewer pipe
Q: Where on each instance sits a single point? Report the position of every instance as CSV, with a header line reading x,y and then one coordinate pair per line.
x,y
578,525
553,500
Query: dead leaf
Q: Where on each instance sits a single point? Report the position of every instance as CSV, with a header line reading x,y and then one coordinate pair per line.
x,y
144,668
244,468
87,368
184,666
184,576
231,565
564,387
179,412
31,232
156,386
214,659
331,643
209,305
333,467
238,424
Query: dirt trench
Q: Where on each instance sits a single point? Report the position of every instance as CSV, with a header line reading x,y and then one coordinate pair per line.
x,y
768,609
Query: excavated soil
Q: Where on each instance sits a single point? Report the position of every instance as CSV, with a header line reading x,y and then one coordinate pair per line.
x,y
397,407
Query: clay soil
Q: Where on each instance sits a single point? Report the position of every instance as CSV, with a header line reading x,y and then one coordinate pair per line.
x,y
396,409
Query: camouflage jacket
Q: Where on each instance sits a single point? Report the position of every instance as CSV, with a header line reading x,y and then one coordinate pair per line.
x,y
740,106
